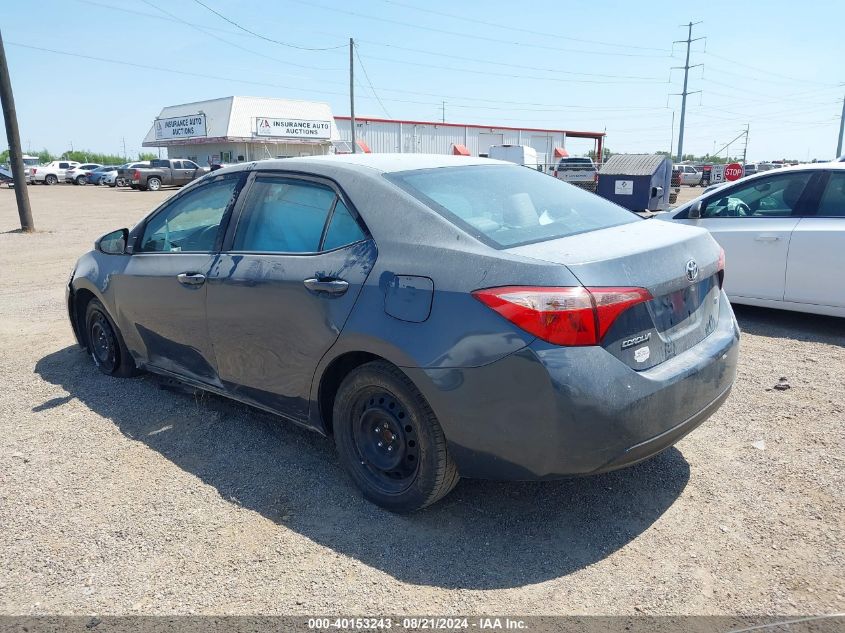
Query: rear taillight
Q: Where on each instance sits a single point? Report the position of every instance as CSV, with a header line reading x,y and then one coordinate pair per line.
x,y
721,267
555,173
33,170
136,175
563,316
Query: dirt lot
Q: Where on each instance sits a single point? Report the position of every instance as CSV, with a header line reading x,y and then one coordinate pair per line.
x,y
119,497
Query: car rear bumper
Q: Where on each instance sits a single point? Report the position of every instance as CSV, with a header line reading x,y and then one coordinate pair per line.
x,y
548,411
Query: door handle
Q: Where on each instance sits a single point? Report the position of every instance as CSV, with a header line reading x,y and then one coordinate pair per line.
x,y
767,237
329,286
191,279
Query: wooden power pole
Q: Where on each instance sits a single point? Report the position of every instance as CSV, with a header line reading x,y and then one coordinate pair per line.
x,y
14,138
352,95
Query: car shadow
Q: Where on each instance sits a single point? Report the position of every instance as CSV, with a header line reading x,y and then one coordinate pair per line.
x,y
792,325
484,535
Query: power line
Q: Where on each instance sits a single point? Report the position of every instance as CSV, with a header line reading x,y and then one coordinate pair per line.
x,y
264,37
505,64
498,74
763,70
355,46
467,35
205,31
511,27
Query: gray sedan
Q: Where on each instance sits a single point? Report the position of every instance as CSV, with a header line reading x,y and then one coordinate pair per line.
x,y
438,316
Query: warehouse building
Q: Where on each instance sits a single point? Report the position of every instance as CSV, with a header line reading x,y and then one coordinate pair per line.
x,y
431,137
237,129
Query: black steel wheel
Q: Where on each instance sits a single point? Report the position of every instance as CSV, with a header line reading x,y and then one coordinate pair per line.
x,y
389,439
104,342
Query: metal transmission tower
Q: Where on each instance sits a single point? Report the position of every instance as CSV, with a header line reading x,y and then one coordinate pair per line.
x,y
684,94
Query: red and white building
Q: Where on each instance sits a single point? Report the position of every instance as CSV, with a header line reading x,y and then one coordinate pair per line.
x,y
432,137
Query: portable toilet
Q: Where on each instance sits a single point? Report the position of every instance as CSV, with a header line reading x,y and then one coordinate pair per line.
x,y
639,182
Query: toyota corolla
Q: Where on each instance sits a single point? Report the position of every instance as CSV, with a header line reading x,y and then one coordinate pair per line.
x,y
438,316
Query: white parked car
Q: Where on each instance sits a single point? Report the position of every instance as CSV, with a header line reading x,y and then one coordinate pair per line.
x,y
79,174
51,173
783,232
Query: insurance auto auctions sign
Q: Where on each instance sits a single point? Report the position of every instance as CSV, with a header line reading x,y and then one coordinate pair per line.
x,y
180,127
294,128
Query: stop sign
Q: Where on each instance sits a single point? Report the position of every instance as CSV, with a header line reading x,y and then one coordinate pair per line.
x,y
733,171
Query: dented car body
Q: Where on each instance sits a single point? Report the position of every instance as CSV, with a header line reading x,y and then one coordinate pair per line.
x,y
550,332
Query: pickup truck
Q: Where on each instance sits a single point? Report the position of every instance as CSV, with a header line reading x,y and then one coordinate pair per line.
x,y
163,172
577,171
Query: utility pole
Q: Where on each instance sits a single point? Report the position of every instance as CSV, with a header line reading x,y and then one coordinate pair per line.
x,y
684,94
13,136
841,129
672,134
352,96
745,147
443,118
123,140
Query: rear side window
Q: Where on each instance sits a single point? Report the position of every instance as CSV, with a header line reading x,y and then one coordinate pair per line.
x,y
507,206
283,216
343,228
832,203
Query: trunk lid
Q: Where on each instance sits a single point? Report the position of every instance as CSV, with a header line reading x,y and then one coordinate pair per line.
x,y
678,264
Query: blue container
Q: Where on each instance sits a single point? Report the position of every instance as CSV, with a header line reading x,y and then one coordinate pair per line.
x,y
639,182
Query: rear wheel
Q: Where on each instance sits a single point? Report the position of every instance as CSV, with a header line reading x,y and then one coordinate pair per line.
x,y
390,441
51,179
105,344
153,184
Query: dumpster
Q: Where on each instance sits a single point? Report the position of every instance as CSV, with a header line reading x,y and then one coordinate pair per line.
x,y
639,182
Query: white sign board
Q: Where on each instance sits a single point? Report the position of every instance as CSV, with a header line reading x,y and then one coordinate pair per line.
x,y
177,127
294,128
717,174
624,188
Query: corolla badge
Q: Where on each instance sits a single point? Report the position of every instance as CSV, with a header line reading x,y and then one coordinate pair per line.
x,y
692,270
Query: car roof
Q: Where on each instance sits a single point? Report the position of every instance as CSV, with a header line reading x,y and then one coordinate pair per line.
x,y
384,163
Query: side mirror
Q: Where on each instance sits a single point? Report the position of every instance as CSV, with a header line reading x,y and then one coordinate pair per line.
x,y
113,243
695,210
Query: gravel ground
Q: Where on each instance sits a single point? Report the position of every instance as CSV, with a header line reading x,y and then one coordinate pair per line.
x,y
119,497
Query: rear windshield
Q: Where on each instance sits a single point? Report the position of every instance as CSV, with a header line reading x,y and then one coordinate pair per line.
x,y
506,206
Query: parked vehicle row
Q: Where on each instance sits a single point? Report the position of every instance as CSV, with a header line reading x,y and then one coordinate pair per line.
x,y
143,175
437,316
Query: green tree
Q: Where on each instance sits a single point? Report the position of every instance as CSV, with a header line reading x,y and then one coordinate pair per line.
x,y
147,156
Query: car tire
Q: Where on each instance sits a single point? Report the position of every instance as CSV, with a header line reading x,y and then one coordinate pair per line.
x,y
104,343
153,184
80,180
51,179
390,441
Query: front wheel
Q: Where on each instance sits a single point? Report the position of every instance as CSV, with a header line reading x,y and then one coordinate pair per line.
x,y
80,180
390,441
104,343
154,184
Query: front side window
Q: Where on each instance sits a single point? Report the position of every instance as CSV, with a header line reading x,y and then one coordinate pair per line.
x,y
776,196
186,164
283,216
507,206
832,203
191,222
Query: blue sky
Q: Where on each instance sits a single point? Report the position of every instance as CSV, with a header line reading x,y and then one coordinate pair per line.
x,y
775,65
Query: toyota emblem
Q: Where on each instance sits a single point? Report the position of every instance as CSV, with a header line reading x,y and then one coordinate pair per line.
x,y
692,270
